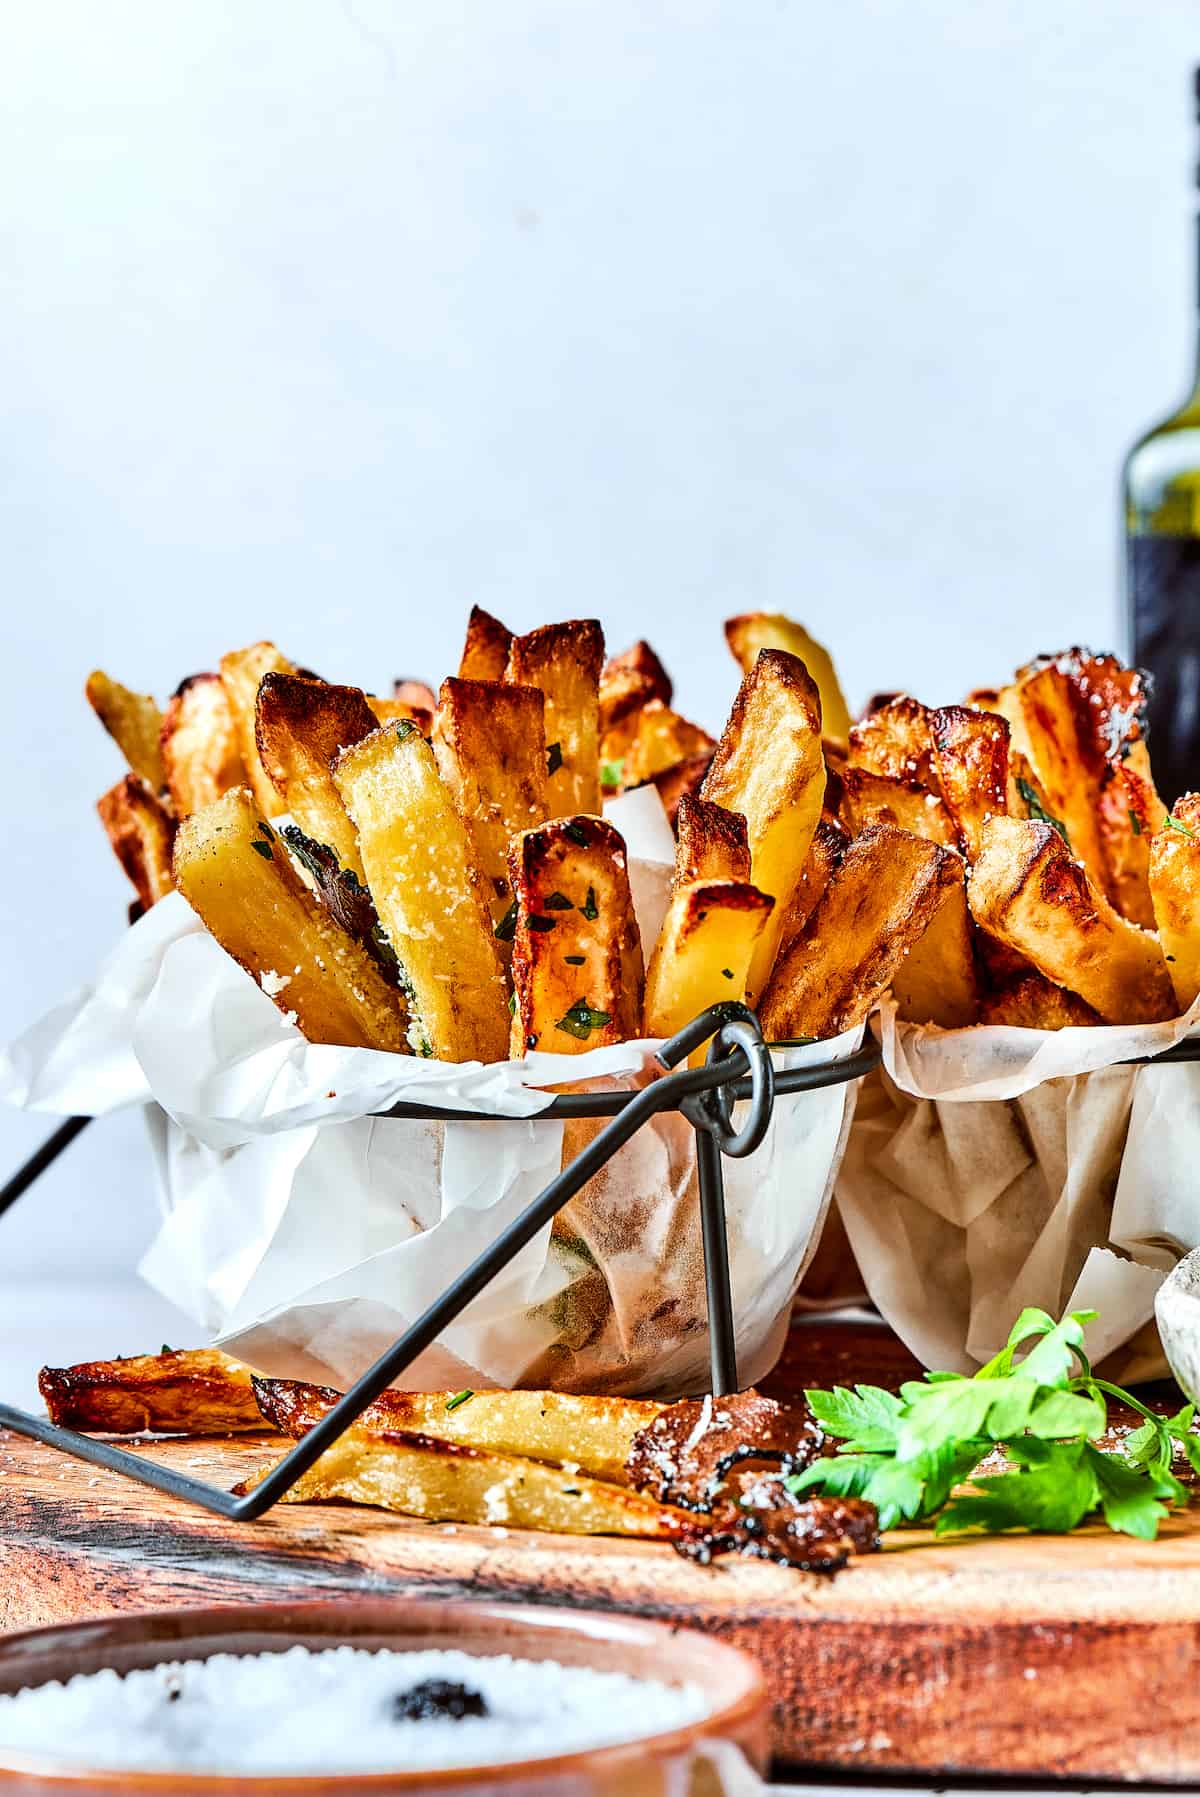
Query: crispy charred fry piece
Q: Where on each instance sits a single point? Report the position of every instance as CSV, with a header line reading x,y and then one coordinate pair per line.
x,y
399,711
577,956
877,906
300,726
753,631
970,765
1175,887
769,767
189,1391
428,891
489,741
200,755
1129,813
485,652
447,1481
825,851
711,843
134,722
642,661
1032,1002
686,780
242,673
936,982
895,740
1028,891
869,799
564,660
141,834
233,870
1060,756
811,1534
703,951
684,1454
594,1434
622,699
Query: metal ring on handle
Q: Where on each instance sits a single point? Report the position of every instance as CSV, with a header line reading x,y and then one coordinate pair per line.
x,y
740,1036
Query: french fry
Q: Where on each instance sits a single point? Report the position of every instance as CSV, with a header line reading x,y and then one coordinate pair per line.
x,y
622,698
936,981
825,851
753,631
141,833
189,1391
564,660
869,799
878,904
1175,890
685,781
703,951
489,741
895,740
485,652
970,765
236,874
642,661
199,745
1032,1002
768,766
593,1434
661,739
711,844
134,722
300,725
242,673
577,956
447,1481
1028,891
1060,759
428,891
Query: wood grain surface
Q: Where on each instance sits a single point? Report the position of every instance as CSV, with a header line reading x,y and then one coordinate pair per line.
x,y
1076,1656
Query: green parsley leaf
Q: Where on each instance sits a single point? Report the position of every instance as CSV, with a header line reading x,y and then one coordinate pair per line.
x,y
263,849
589,908
554,757
577,834
727,972
1173,823
612,773
581,1020
1135,823
458,1400
1038,811
557,901
404,728
866,1416
506,929
512,1004
575,960
266,830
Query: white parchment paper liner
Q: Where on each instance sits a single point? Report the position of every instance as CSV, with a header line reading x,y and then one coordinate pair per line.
x,y
992,1168
306,1234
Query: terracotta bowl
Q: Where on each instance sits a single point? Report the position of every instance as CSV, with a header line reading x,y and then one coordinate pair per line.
x,y
654,1766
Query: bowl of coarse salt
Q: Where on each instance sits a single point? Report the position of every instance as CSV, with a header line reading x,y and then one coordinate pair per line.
x,y
355,1696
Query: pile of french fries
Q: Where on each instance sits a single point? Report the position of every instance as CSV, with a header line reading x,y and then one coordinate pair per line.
x,y
433,874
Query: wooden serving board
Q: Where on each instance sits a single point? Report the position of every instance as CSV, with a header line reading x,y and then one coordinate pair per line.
x,y
1077,1656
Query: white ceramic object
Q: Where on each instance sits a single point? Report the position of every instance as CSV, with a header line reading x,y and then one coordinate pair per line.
x,y
1177,1309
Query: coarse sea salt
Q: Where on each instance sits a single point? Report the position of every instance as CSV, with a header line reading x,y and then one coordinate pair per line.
x,y
332,1710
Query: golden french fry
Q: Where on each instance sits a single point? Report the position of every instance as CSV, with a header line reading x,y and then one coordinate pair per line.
x,y
485,652
199,745
703,952
188,1391
970,765
235,872
894,740
869,799
753,631
1060,759
1129,812
300,725
1032,1002
642,661
134,722
825,851
242,673
428,891
878,904
769,766
661,739
711,843
622,697
564,660
936,981
1028,891
1175,890
141,833
577,956
685,781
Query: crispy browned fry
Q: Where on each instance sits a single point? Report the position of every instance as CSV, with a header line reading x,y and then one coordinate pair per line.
x,y
485,652
895,740
399,711
134,722
242,673
564,660
1062,761
199,746
970,765
878,904
182,1391
417,693
1109,700
141,833
1129,812
711,843
1032,1002
826,849
768,765
869,798
680,782
1175,887
661,739
428,891
703,952
1027,890
754,631
300,725
447,1481
577,956
593,1434
489,740
640,660
622,697
234,871
936,981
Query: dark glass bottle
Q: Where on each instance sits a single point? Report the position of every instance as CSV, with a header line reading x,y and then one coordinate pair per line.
x,y
1162,535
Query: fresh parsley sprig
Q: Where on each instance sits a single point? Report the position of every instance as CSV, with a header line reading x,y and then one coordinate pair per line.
x,y
910,1453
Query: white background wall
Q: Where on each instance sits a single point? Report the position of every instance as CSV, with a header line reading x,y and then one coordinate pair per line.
x,y
320,321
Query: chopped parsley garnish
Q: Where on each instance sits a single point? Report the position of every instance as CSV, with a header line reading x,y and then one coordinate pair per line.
x,y
404,728
589,908
541,923
1172,823
1135,823
266,830
557,901
575,960
728,972
506,929
612,773
581,1020
458,1400
512,1004
577,834
1038,811
554,758
263,849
